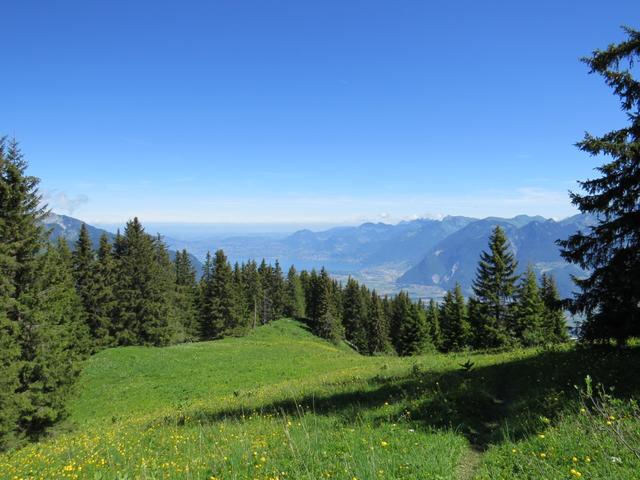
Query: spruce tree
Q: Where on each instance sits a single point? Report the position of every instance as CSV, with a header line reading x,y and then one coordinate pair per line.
x,y
142,310
104,301
223,316
53,350
554,322
528,322
610,295
414,332
454,322
253,292
206,300
354,316
21,240
377,326
433,323
400,312
84,270
294,295
494,289
327,322
265,274
277,292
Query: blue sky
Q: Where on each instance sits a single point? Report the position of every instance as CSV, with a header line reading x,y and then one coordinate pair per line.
x,y
306,112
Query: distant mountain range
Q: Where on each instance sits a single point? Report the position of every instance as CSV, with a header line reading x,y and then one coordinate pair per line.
x,y
455,258
423,256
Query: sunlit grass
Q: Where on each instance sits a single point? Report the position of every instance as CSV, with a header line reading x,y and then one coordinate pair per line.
x,y
281,403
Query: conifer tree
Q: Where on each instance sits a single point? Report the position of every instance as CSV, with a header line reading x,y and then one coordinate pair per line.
x,y
311,296
21,240
265,273
377,326
84,274
528,322
400,312
254,294
141,316
104,301
277,291
454,322
51,352
206,300
494,289
327,322
354,316
223,316
554,322
433,323
294,295
414,335
610,295
242,305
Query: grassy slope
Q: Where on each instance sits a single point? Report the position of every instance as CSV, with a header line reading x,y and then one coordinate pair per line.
x,y
281,403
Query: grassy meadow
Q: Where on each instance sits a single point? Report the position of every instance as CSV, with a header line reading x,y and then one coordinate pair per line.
x,y
283,404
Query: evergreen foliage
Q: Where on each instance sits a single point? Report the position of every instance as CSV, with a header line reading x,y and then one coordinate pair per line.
x,y
294,295
554,323
221,315
141,314
494,289
530,309
610,250
454,322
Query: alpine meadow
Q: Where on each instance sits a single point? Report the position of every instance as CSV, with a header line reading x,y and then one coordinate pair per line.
x,y
272,330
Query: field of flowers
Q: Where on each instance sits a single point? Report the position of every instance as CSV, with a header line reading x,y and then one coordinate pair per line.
x,y
281,404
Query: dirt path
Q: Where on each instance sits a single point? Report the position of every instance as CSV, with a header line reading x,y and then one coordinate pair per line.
x,y
469,463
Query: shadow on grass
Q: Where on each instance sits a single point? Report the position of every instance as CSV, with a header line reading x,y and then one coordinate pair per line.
x,y
487,404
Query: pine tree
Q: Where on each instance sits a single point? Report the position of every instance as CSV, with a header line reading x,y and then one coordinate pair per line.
x,y
84,269
433,323
104,301
610,295
277,292
253,292
294,295
494,288
554,322
265,273
173,329
414,334
206,300
52,351
454,322
142,304
528,321
354,316
377,326
311,296
242,305
327,322
21,240
223,316
400,312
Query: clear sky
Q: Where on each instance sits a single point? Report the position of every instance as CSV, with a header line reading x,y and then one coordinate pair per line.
x,y
307,112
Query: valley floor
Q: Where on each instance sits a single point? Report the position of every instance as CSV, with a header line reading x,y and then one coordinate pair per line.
x,y
282,404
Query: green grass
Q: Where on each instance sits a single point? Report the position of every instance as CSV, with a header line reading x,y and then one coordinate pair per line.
x,y
281,403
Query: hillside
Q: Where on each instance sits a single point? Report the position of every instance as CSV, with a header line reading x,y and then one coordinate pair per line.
x,y
455,259
281,403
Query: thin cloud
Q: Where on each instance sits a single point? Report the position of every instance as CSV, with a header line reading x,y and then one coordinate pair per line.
x,y
61,202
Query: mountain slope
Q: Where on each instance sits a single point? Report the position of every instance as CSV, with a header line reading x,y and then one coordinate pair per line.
x,y
455,259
